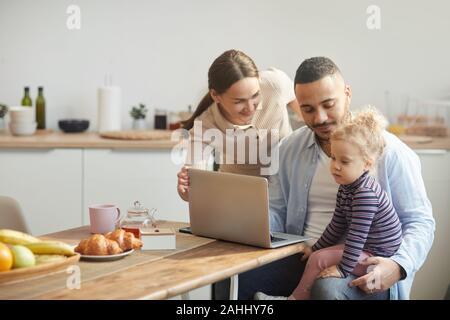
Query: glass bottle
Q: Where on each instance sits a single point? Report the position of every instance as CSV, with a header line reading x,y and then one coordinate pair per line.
x,y
26,100
396,121
40,109
137,217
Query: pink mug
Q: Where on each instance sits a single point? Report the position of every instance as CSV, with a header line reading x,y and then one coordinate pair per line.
x,y
103,217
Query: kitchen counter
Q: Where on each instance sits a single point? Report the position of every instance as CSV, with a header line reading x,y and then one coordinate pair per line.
x,y
437,143
47,139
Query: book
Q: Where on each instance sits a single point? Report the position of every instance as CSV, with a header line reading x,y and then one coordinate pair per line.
x,y
158,238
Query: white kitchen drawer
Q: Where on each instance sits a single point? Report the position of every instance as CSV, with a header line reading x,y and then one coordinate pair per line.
x,y
46,183
435,164
433,279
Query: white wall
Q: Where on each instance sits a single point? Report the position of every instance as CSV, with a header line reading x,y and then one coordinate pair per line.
x,y
159,51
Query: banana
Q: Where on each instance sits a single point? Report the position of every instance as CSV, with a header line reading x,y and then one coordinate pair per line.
x,y
16,237
48,258
51,247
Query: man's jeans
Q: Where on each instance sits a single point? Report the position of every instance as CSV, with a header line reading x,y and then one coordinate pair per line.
x,y
281,277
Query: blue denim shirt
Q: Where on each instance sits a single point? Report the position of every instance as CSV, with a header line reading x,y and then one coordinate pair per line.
x,y
399,174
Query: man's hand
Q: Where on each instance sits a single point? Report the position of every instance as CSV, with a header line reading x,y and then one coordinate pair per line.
x,y
183,183
330,272
383,275
306,253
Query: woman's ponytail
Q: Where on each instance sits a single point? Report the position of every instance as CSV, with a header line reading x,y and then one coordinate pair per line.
x,y
202,106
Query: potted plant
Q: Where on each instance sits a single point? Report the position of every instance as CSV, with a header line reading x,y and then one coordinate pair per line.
x,y
3,111
138,114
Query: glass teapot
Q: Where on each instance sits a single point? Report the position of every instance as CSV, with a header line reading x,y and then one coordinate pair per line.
x,y
137,217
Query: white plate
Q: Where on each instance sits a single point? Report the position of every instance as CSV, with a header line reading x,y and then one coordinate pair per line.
x,y
111,257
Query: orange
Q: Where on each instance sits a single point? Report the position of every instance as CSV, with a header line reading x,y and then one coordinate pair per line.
x,y
6,257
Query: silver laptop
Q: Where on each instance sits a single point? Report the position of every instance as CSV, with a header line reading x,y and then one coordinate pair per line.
x,y
234,208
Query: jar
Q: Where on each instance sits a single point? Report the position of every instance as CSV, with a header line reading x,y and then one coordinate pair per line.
x,y
160,119
174,121
138,217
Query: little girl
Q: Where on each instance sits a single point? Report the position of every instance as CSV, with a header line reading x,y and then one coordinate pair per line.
x,y
364,214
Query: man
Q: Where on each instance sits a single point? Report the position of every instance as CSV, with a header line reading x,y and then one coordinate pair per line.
x,y
303,195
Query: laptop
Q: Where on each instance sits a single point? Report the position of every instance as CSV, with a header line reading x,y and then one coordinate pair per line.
x,y
233,208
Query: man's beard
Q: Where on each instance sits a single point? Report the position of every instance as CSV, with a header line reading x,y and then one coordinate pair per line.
x,y
324,124
332,123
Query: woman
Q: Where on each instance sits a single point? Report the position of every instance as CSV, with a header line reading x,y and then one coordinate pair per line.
x,y
240,100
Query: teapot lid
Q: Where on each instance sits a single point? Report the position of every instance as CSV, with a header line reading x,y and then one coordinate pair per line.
x,y
138,209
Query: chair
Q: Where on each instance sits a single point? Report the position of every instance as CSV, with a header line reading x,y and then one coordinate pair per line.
x,y
11,216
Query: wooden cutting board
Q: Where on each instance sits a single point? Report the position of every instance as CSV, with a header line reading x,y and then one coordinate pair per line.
x,y
20,274
415,139
138,135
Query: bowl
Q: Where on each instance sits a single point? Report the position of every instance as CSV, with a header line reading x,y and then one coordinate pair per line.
x,y
73,125
21,114
23,128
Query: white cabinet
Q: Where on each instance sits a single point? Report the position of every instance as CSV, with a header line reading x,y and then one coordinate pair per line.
x,y
55,186
433,279
118,176
47,184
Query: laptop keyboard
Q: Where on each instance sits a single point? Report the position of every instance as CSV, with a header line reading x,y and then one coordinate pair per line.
x,y
275,239
272,238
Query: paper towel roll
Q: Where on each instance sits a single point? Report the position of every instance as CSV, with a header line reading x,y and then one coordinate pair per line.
x,y
109,108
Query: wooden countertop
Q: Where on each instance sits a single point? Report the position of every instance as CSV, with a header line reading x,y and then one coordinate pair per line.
x,y
201,261
49,140
436,143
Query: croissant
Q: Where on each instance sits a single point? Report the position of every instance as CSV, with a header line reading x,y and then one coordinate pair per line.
x,y
98,245
126,240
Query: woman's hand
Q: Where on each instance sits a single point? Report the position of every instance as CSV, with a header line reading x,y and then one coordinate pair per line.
x,y
330,272
183,183
306,253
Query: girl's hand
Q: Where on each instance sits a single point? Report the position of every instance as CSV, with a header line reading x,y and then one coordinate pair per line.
x,y
330,272
306,253
183,183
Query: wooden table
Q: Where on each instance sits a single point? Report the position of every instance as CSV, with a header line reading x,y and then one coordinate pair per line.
x,y
197,262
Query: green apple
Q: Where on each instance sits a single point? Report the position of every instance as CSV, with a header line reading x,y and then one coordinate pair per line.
x,y
22,257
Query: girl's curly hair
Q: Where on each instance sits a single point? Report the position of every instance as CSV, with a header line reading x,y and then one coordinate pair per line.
x,y
365,130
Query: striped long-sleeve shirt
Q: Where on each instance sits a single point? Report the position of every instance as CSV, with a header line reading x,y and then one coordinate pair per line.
x,y
366,215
